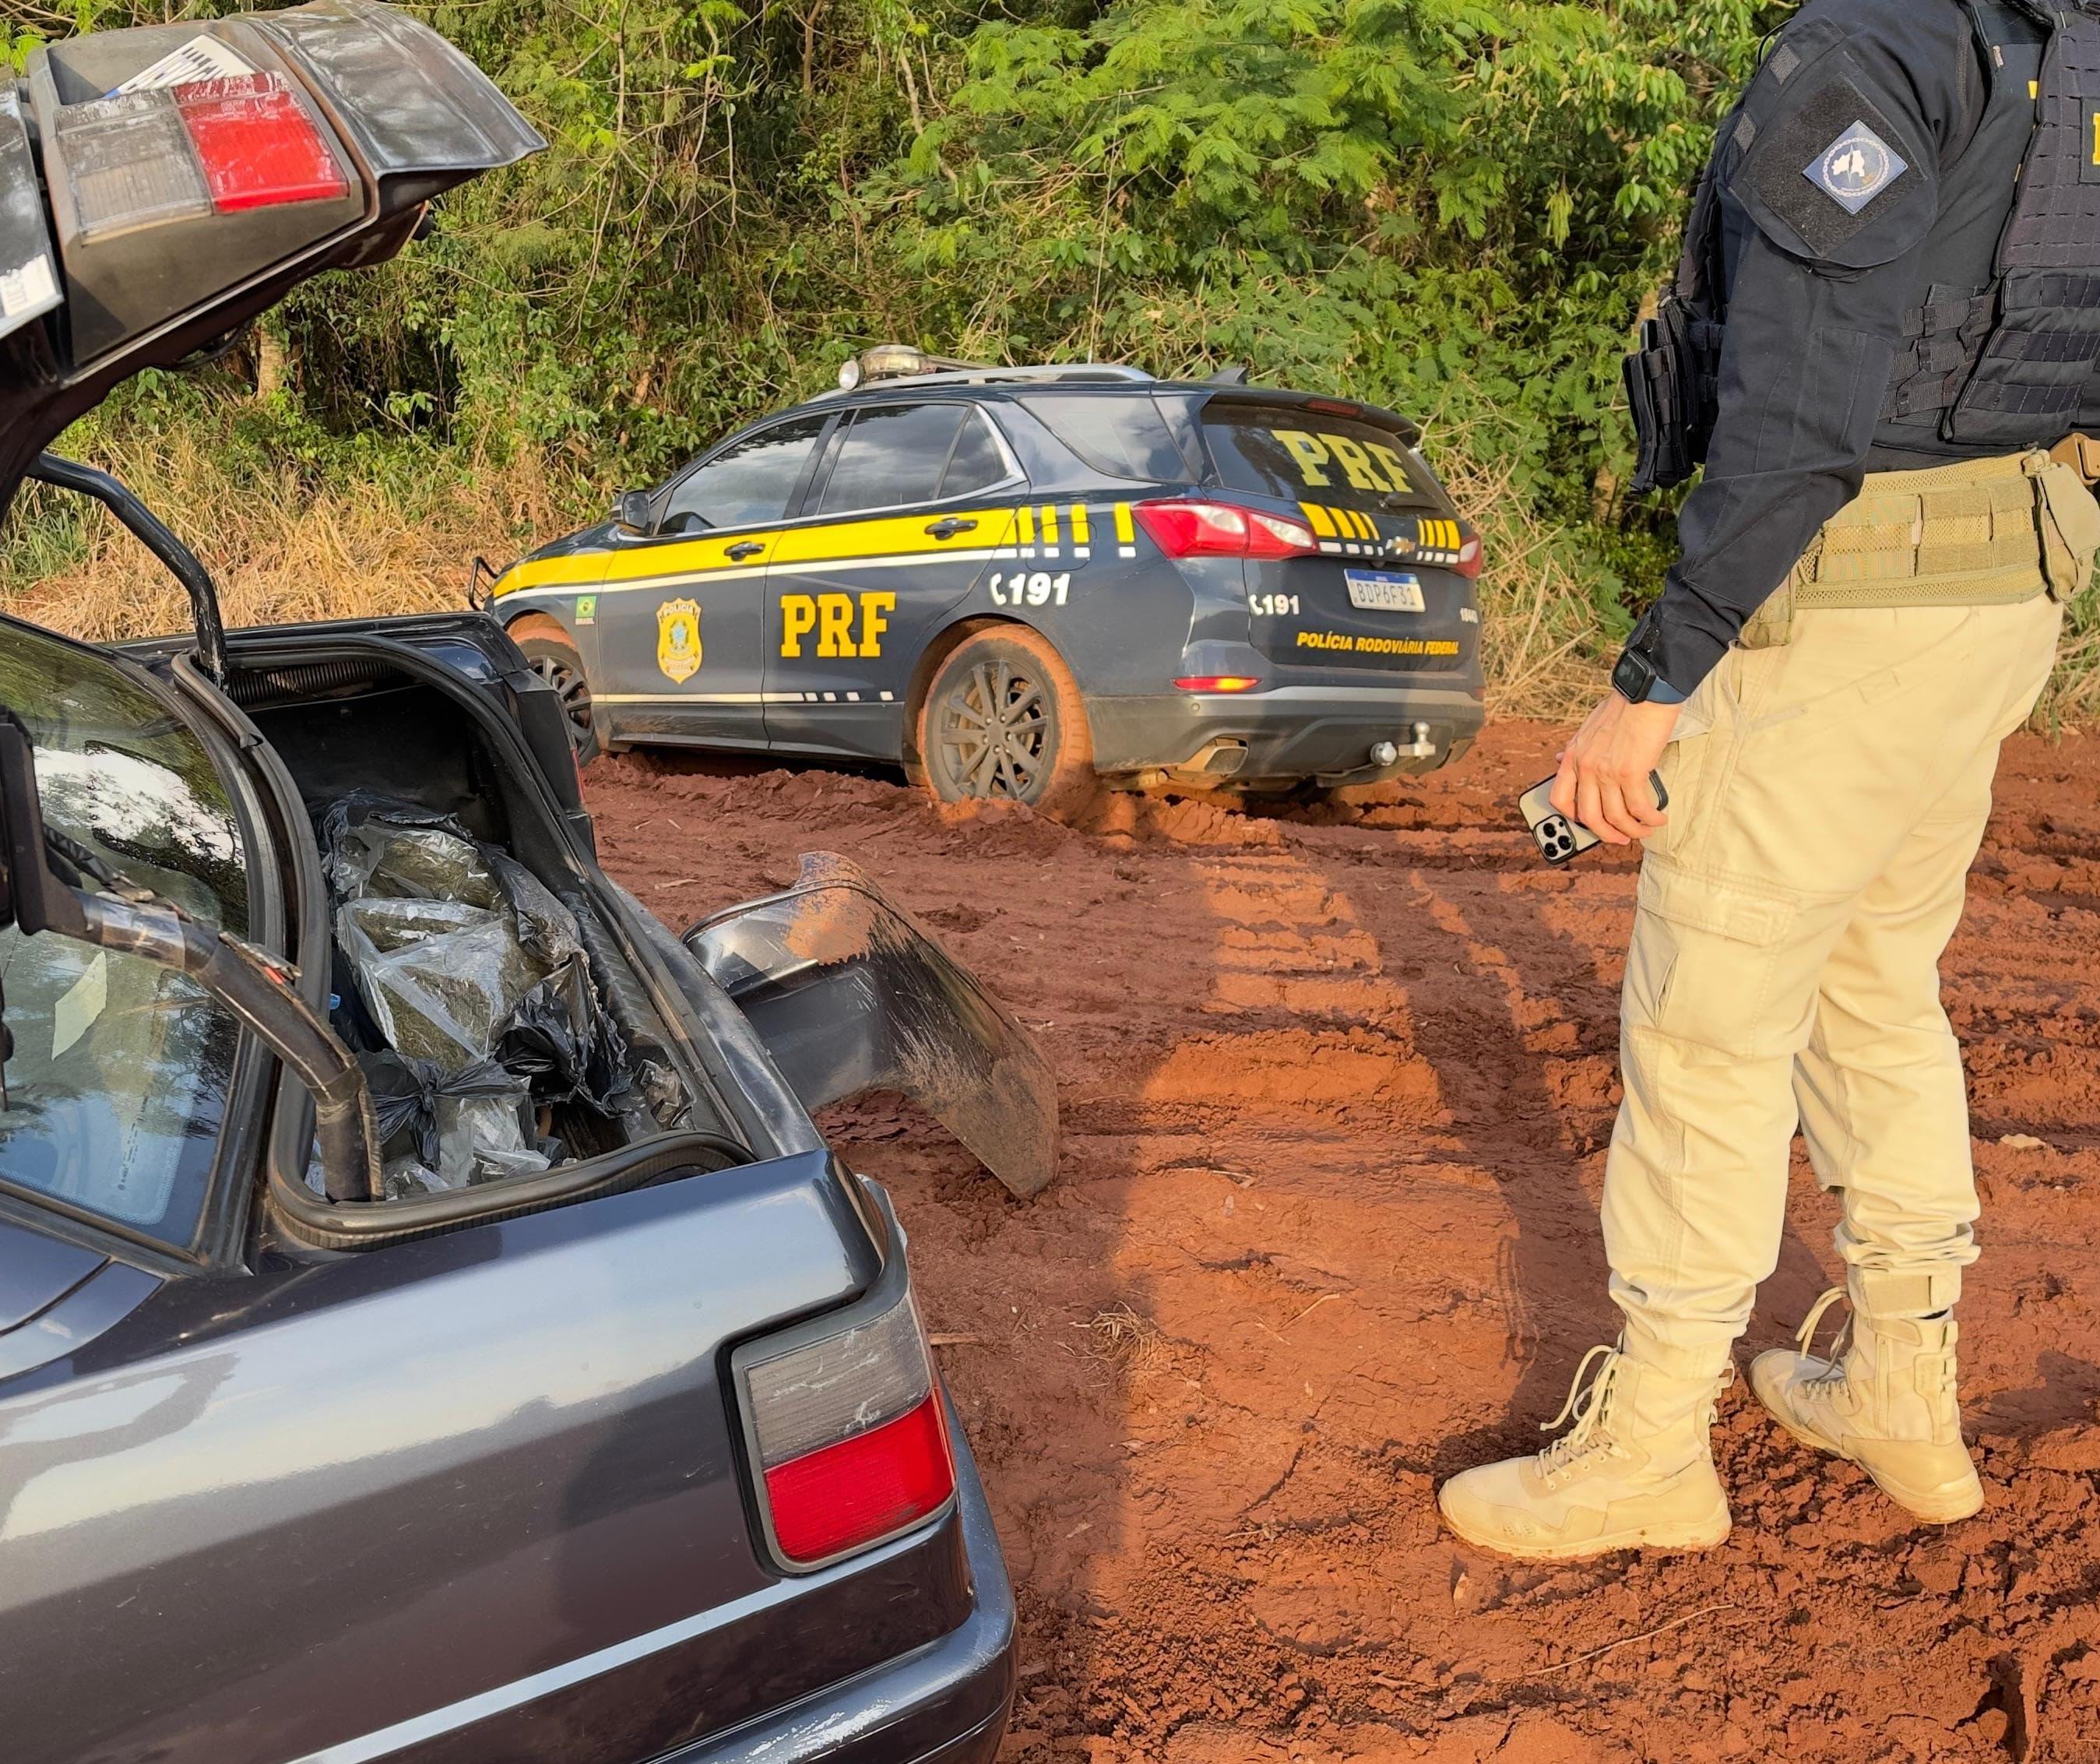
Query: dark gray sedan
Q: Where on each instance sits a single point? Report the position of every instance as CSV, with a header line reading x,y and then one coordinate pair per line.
x,y
431,1326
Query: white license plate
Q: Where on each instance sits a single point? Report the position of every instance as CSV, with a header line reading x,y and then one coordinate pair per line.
x,y
1377,590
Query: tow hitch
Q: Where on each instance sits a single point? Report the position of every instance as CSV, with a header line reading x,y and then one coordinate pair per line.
x,y
848,994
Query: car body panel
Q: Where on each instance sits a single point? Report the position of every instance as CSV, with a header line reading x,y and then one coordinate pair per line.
x,y
513,1436
38,1270
1063,555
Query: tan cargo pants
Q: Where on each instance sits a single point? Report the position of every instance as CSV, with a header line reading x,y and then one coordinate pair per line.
x,y
1827,797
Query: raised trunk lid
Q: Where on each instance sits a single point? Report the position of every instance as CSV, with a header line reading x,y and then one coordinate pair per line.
x,y
176,211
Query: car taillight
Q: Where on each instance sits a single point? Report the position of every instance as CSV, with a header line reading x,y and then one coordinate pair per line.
x,y
140,158
1470,557
257,145
1190,526
851,1444
1219,682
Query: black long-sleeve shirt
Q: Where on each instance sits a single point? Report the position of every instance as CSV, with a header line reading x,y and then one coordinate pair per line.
x,y
1810,346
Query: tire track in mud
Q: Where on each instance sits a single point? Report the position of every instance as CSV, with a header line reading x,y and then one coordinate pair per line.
x,y
1337,1084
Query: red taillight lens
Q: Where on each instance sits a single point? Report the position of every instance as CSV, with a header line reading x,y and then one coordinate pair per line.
x,y
850,1440
1219,682
1189,527
257,145
1470,557
839,1497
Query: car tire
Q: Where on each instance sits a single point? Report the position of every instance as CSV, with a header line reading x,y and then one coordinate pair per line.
x,y
552,657
1002,719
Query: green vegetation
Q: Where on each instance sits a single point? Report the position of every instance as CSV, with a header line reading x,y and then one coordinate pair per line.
x,y
1453,207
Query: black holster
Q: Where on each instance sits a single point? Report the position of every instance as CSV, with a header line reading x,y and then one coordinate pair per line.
x,y
1673,388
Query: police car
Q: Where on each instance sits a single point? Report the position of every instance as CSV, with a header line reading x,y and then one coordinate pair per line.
x,y
1016,580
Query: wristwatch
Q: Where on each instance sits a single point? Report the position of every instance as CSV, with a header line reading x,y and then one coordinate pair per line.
x,y
1635,680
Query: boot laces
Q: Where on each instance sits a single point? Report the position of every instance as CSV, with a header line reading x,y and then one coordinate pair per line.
x,y
1833,1371
1586,1403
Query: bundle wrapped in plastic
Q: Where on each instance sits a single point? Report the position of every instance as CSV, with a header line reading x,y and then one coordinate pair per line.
x,y
442,1130
476,977
440,979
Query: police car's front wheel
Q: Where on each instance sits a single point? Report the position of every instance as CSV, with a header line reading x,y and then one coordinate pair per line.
x,y
1002,718
552,657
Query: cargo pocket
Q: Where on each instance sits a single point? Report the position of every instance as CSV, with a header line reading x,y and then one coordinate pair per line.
x,y
1701,967
2070,531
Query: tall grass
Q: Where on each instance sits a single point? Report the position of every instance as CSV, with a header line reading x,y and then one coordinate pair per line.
x,y
280,549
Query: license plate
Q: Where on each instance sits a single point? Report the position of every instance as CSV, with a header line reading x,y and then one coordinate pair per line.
x,y
1377,590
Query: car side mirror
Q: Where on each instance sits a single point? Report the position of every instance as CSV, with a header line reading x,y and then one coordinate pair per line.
x,y
633,512
42,877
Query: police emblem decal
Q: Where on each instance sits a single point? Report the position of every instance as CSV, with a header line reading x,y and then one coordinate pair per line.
x,y
1855,168
678,639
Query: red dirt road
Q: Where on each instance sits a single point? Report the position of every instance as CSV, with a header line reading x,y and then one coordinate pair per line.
x,y
1336,1090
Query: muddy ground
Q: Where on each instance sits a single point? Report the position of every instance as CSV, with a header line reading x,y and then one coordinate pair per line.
x,y
1336,1086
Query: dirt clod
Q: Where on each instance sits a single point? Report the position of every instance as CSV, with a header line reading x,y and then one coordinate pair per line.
x,y
1211,1431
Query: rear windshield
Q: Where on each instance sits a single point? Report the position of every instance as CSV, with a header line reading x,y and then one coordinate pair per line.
x,y
1311,458
118,1079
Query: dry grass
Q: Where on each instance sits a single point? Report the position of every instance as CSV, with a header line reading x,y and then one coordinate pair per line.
x,y
1538,625
1121,1334
280,552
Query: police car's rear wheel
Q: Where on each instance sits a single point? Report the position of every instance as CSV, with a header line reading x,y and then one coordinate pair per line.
x,y
1002,719
546,646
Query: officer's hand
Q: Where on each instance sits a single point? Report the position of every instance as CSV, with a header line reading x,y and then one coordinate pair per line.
x,y
1603,781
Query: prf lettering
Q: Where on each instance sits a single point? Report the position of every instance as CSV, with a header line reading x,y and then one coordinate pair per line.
x,y
832,619
1367,466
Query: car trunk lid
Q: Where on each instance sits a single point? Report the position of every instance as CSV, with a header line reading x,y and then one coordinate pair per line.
x,y
193,175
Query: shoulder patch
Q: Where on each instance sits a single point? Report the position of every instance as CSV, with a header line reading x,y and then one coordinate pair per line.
x,y
1833,176
1855,168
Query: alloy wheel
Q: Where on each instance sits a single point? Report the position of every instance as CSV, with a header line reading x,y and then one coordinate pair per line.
x,y
995,732
574,691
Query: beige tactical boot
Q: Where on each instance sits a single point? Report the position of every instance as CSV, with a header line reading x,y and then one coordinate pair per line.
x,y
1886,1400
1633,1472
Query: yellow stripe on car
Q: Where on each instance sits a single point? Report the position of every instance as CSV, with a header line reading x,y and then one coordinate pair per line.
x,y
1081,534
1319,519
826,543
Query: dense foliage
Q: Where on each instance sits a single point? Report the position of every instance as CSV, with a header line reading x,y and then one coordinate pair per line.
x,y
1452,206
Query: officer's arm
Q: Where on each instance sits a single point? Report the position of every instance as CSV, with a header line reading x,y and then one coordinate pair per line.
x,y
1827,260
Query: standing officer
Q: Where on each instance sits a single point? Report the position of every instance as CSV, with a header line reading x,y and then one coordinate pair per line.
x,y
1889,311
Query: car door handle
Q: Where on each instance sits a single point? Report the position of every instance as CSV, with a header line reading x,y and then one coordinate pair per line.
x,y
736,554
948,528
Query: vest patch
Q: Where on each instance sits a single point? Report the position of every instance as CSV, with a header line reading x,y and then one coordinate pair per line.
x,y
1855,168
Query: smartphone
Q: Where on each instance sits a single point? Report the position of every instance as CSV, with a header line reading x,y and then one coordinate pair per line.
x,y
1560,839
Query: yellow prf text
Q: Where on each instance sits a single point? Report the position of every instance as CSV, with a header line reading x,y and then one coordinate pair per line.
x,y
840,627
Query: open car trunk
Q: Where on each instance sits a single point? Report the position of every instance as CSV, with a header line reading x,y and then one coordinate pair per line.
x,y
517,1054
502,1029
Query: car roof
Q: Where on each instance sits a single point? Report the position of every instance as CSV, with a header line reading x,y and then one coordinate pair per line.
x,y
1104,379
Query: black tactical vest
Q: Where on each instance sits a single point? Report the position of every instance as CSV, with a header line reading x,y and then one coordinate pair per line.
x,y
2004,352
2004,361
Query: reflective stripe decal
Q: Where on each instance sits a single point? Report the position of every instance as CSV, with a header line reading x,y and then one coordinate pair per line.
x,y
883,538
1049,524
1081,533
1322,522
